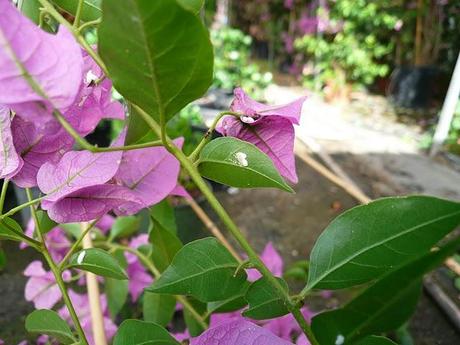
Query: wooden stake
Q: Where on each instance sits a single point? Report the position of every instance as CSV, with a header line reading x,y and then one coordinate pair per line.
x,y
212,227
92,285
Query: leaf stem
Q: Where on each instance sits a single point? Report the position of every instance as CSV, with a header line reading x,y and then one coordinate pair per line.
x,y
20,207
76,21
6,182
208,135
87,146
89,24
188,165
57,273
74,30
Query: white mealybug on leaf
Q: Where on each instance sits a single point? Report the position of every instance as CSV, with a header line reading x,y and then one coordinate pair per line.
x,y
339,340
241,157
81,257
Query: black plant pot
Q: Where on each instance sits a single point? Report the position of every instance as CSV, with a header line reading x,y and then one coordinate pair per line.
x,y
414,87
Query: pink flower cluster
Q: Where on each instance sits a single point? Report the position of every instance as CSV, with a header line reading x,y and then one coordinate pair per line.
x,y
37,151
270,128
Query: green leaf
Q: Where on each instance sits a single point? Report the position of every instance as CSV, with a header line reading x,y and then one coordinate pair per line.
x,y
159,56
46,224
239,164
7,225
375,340
367,241
50,323
198,268
194,327
117,294
384,306
158,308
124,227
99,262
138,131
91,8
165,245
265,301
192,5
233,303
31,9
163,213
135,332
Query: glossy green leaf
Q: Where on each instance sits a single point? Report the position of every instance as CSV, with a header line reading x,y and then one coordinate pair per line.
x,y
233,303
158,308
159,56
135,332
193,326
31,8
367,241
265,301
99,262
239,164
117,294
48,322
91,8
46,224
163,213
375,340
198,268
165,245
7,225
384,306
124,227
192,5
138,131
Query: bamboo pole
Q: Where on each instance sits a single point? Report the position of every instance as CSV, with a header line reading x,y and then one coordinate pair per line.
x,y
94,296
212,227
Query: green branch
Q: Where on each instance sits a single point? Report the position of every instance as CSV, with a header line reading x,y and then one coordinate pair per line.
x,y
57,273
188,165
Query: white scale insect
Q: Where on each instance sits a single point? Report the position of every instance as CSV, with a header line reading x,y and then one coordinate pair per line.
x,y
241,158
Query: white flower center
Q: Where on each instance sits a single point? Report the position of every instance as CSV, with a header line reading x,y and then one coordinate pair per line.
x,y
241,157
90,76
247,119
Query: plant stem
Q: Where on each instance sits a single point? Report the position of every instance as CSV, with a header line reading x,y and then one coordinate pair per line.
x,y
156,273
22,206
3,194
74,30
89,24
207,136
57,273
87,146
188,165
76,21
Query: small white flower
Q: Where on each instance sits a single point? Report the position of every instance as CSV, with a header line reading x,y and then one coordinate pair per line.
x,y
90,77
241,157
339,340
247,119
81,257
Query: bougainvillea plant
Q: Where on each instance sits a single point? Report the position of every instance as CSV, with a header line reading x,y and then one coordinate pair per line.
x,y
86,201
